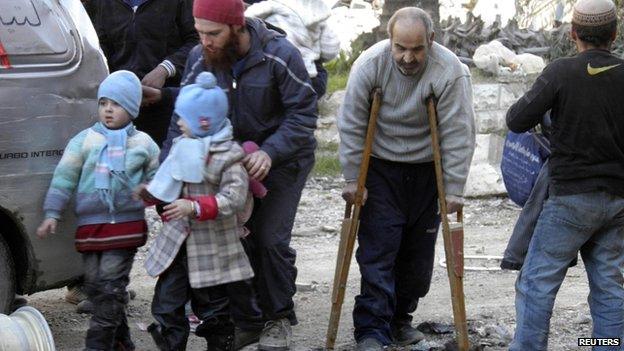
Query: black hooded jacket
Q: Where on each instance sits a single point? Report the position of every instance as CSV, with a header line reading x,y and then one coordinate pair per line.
x,y
140,40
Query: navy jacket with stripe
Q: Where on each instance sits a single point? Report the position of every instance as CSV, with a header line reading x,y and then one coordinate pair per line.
x,y
272,101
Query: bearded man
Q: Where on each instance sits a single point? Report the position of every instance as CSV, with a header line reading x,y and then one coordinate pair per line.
x,y
400,220
272,103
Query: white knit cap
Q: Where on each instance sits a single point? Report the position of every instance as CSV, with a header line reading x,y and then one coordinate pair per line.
x,y
593,13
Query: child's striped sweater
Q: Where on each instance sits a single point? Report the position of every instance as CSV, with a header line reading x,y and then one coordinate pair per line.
x,y
75,173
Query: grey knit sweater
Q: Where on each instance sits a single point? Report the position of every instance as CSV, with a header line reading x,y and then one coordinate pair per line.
x,y
402,126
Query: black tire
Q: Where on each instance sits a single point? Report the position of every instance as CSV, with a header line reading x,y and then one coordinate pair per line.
x,y
7,278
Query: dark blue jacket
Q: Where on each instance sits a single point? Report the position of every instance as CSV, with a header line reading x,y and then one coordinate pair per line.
x,y
272,101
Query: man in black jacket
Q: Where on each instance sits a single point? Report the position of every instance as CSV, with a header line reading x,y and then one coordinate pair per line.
x,y
151,38
585,209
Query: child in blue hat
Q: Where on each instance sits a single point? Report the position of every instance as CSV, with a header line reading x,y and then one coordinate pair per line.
x,y
198,254
102,165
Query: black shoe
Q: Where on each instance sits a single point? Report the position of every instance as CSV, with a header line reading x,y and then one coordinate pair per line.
x,y
127,345
123,340
406,335
218,334
85,306
243,338
99,339
369,344
221,342
155,331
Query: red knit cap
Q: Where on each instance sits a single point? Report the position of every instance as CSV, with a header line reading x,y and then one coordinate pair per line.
x,y
220,11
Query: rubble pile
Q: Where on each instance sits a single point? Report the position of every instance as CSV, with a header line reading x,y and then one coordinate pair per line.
x,y
464,38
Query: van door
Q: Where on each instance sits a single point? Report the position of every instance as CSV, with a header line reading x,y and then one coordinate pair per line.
x,y
50,68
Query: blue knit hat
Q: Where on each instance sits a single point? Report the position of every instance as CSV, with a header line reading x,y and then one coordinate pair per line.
x,y
201,103
123,87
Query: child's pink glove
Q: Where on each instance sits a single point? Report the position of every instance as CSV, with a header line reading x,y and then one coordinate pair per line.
x,y
256,187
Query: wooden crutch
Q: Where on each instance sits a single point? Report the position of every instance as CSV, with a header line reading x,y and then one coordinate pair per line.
x,y
350,226
453,236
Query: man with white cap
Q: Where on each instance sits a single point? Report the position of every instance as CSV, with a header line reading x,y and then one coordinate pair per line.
x,y
585,210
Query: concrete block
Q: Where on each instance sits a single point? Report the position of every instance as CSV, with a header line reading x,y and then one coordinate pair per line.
x,y
486,96
329,105
510,93
492,121
484,178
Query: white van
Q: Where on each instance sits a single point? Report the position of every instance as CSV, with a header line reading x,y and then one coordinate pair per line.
x,y
50,68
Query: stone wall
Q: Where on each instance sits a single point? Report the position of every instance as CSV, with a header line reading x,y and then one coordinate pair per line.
x,y
491,101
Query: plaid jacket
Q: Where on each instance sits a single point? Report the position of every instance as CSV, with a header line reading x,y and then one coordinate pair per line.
x,y
215,253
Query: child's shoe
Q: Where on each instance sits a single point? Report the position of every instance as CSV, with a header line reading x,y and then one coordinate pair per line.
x,y
220,336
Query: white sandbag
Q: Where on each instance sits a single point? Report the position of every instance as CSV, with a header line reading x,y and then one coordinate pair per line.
x,y
529,63
494,57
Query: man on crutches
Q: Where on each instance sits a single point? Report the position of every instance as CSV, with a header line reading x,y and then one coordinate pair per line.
x,y
400,217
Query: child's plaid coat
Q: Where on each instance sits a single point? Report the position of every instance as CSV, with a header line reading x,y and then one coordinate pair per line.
x,y
215,253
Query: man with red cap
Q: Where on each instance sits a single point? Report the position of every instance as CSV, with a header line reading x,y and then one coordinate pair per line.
x,y
273,104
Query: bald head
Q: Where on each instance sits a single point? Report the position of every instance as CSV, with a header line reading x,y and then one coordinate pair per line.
x,y
410,17
594,22
411,38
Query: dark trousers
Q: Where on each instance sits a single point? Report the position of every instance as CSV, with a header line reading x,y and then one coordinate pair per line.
x,y
398,230
213,305
268,245
105,280
319,83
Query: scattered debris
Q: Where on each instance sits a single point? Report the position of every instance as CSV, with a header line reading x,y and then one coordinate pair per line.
x,y
479,263
427,345
435,328
307,287
464,38
583,319
329,229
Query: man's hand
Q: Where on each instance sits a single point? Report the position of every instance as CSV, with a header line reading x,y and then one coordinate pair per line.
x,y
180,208
348,193
150,95
453,203
258,164
156,78
47,227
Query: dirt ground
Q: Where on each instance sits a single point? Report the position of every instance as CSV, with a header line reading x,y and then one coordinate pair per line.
x,y
489,294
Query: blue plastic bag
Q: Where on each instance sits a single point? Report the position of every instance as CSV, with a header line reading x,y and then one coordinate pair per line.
x,y
524,155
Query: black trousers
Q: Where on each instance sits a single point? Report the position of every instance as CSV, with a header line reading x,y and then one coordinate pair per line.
x,y
213,305
268,245
398,230
154,120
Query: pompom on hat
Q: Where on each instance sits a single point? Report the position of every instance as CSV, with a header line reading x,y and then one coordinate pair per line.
x,y
220,11
203,105
592,13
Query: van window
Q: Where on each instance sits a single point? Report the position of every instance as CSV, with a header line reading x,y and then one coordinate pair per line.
x,y
36,36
